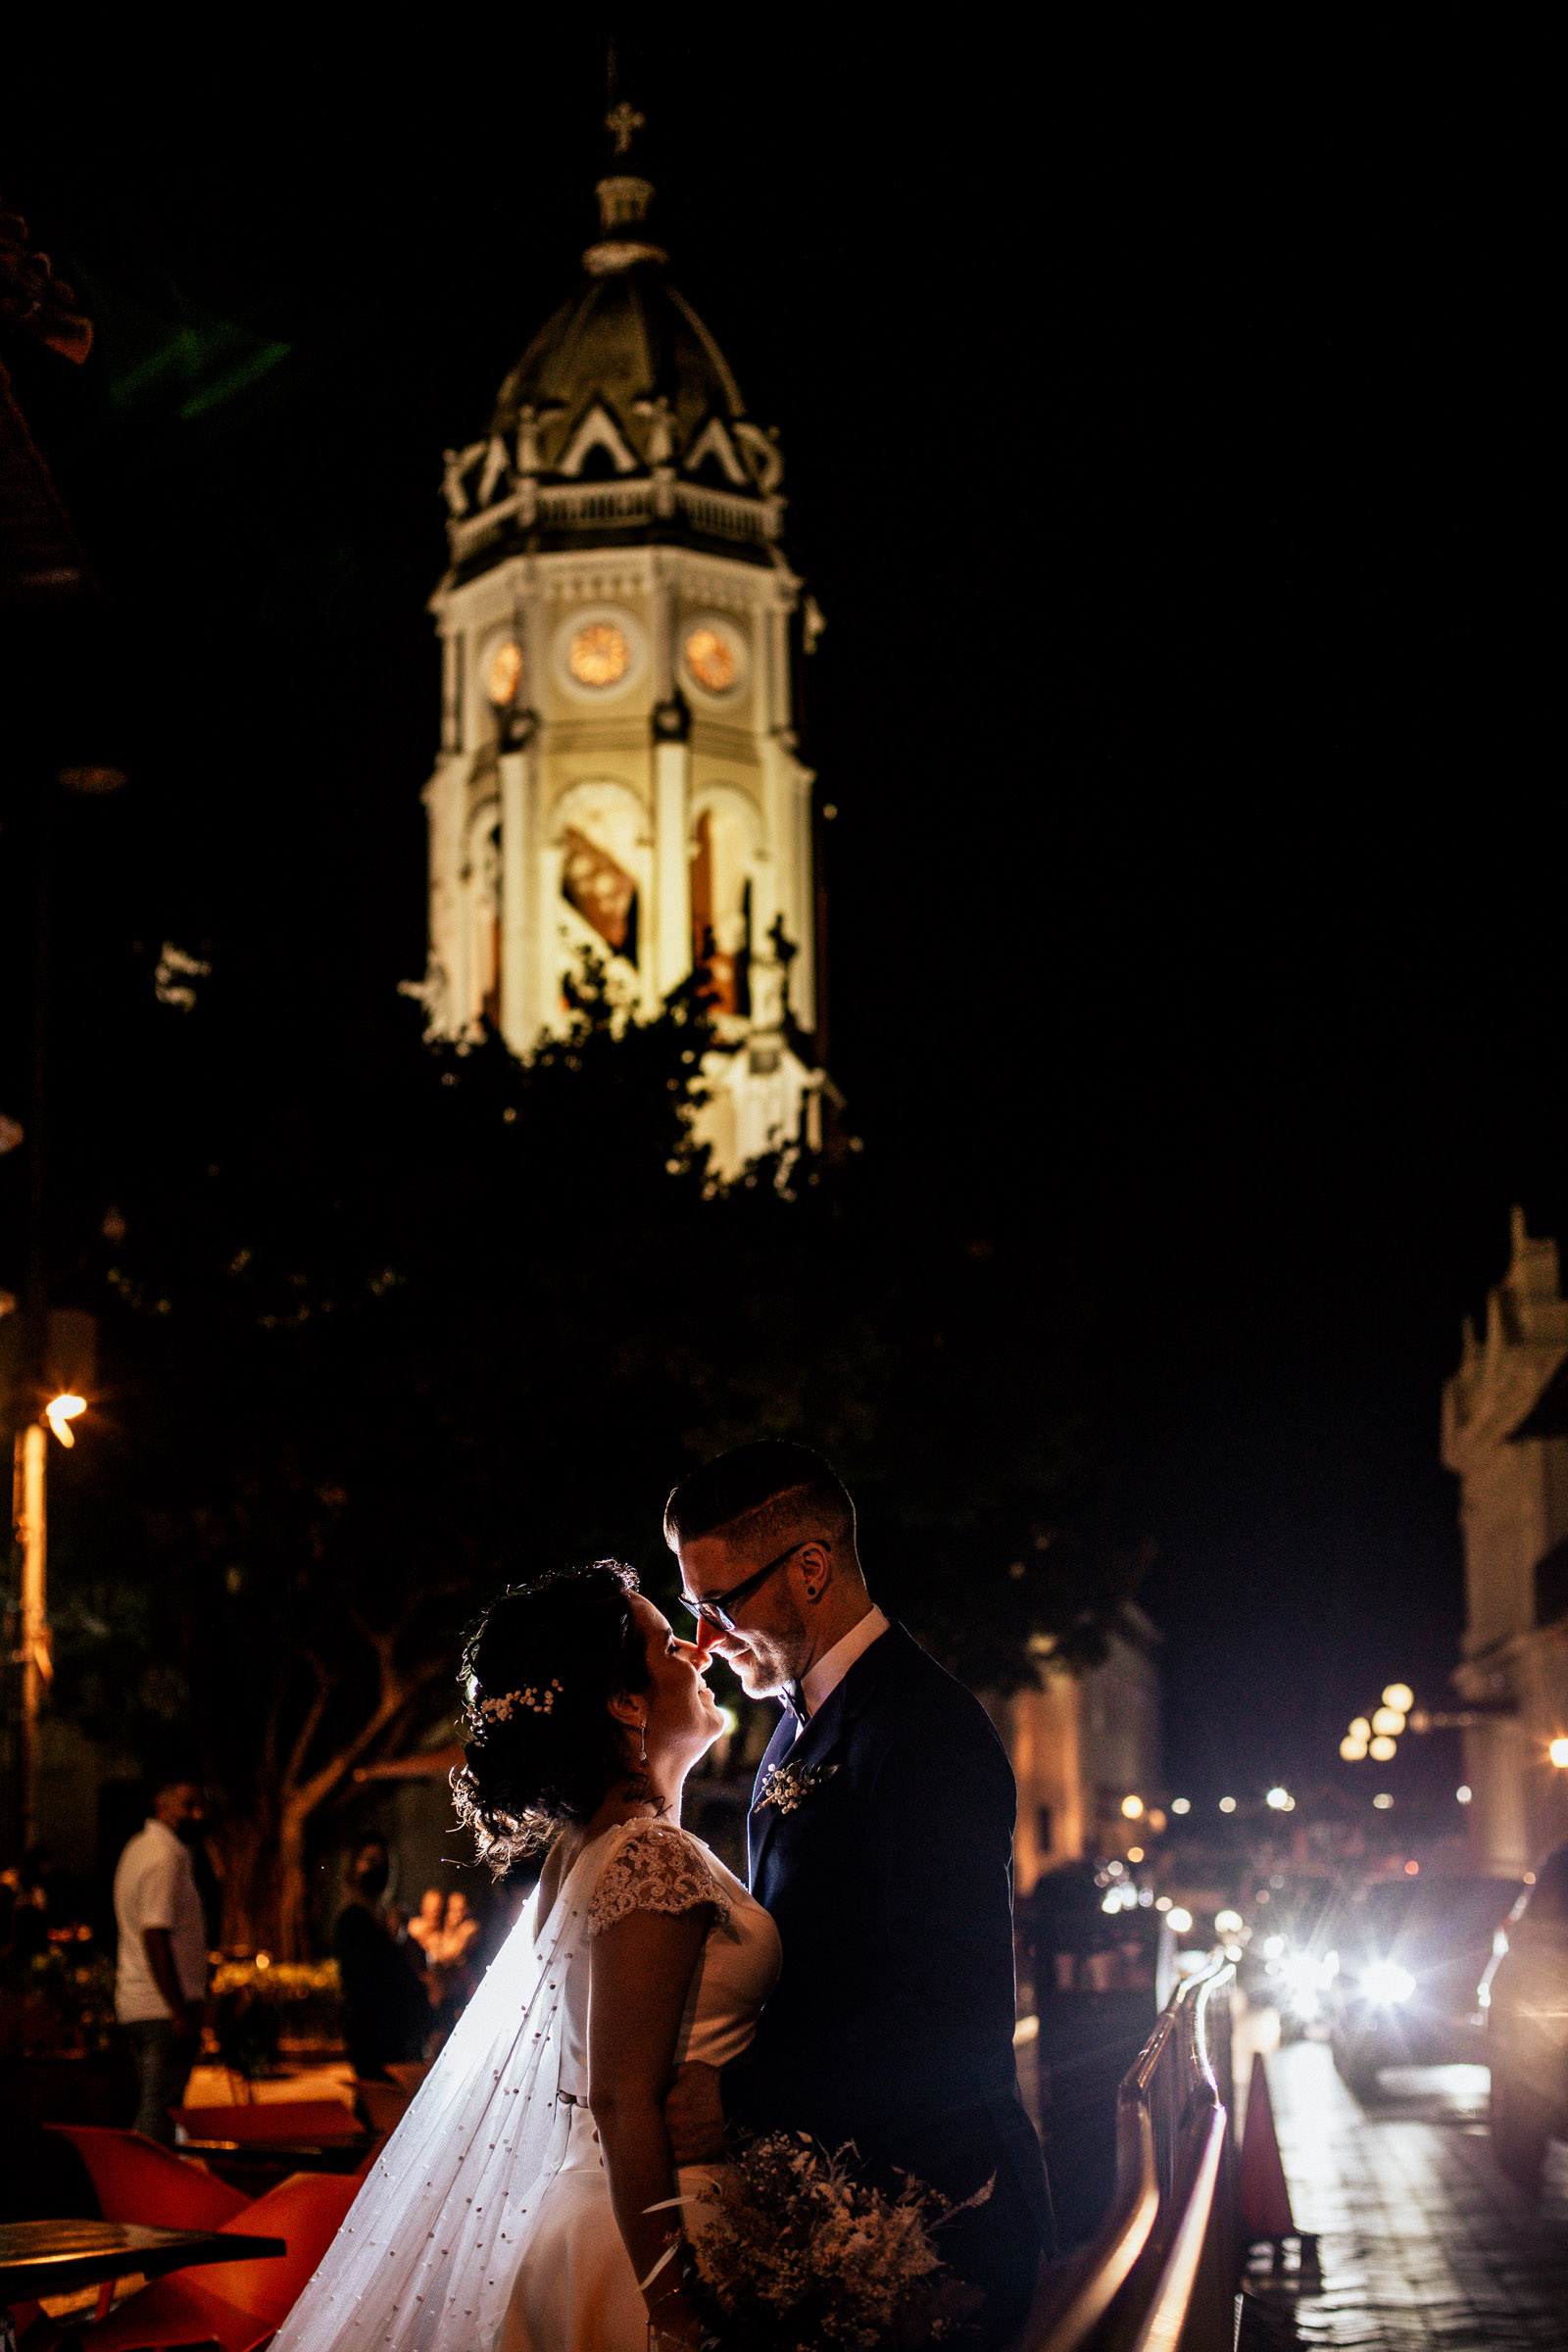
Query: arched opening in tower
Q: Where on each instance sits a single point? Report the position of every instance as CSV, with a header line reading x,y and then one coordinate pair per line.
x,y
721,911
484,878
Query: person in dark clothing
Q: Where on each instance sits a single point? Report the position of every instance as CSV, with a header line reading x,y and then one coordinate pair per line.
x,y
386,2013
881,1842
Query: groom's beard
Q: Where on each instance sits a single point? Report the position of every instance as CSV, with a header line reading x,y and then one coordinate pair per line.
x,y
756,1679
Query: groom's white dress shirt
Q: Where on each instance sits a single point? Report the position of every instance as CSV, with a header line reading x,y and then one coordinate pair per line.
x,y
829,1670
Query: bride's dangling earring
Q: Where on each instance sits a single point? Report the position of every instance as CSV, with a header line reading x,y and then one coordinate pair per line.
x,y
643,1753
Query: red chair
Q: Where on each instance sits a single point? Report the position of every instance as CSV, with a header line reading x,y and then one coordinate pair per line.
x,y
246,2302
136,2181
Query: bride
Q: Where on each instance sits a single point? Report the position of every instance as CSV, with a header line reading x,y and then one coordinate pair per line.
x,y
524,2204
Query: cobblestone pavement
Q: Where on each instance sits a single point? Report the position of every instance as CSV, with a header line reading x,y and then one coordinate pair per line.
x,y
1425,2246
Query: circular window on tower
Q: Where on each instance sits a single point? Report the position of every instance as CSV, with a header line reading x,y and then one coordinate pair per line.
x,y
713,655
504,674
598,653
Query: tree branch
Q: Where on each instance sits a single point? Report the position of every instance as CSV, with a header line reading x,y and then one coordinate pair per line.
x,y
312,1792
301,1748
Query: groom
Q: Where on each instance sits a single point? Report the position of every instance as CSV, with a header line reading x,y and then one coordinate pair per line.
x,y
880,1839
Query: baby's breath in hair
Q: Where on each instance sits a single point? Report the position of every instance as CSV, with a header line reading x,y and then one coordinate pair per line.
x,y
538,1702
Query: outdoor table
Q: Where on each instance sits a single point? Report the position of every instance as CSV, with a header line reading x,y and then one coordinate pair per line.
x,y
282,2126
301,2135
55,2257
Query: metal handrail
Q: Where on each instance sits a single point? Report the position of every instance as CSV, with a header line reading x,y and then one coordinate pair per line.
x,y
1138,2282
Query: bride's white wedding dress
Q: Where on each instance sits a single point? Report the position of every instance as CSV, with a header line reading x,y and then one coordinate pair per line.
x,y
486,2224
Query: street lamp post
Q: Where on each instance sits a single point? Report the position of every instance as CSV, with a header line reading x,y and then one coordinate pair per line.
x,y
49,1367
30,1520
30,1511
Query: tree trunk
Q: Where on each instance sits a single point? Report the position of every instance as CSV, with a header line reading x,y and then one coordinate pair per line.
x,y
249,1862
293,1899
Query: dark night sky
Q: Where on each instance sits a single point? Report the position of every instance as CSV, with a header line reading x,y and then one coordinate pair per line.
x,y
1164,414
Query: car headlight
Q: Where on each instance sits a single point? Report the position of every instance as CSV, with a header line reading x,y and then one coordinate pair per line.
x,y
1383,1981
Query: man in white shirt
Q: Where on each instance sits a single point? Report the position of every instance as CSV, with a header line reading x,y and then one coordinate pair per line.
x,y
161,1977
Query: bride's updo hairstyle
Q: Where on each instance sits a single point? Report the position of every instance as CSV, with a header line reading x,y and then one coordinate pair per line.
x,y
538,1672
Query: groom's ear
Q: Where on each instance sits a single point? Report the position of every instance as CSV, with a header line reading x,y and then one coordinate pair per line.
x,y
816,1567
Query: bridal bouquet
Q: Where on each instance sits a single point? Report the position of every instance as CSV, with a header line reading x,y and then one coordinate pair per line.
x,y
797,2254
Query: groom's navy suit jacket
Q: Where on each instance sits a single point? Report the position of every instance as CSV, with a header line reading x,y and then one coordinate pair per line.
x,y
890,1883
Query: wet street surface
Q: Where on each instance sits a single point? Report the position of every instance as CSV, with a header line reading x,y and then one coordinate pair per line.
x,y
1423,2242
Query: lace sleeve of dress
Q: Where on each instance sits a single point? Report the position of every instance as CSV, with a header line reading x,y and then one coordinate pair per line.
x,y
656,1868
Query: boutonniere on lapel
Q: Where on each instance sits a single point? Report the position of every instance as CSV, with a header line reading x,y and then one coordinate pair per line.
x,y
790,1784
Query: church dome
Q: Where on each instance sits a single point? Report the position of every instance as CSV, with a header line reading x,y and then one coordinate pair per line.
x,y
621,420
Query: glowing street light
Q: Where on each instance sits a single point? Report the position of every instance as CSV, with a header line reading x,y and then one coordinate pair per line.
x,y
60,1412
1181,1804
1558,1752
1383,1803
1227,1804
1353,1750
1387,1723
1227,1922
1463,1795
1281,1800
1360,1729
1181,1921
1400,1696
1384,1749
1133,1808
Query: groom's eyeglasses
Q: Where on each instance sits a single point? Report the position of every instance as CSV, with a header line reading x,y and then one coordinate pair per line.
x,y
716,1609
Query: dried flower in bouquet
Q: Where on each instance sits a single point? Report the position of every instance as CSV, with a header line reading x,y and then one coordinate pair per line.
x,y
797,2253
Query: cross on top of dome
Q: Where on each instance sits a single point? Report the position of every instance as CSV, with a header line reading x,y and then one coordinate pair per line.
x,y
623,122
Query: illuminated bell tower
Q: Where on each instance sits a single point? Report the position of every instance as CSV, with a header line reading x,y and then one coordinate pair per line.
x,y
618,769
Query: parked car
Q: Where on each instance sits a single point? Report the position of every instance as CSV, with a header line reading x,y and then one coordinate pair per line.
x,y
1524,1996
1411,1956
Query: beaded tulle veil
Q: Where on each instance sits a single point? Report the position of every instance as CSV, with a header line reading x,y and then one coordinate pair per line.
x,y
428,2255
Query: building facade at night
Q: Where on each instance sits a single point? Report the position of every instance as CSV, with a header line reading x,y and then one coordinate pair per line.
x,y
1506,1434
1082,1744
617,772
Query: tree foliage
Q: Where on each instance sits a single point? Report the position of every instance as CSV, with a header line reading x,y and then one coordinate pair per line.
x,y
390,1327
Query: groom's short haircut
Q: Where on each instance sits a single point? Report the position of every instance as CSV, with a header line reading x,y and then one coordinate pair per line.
x,y
759,1493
